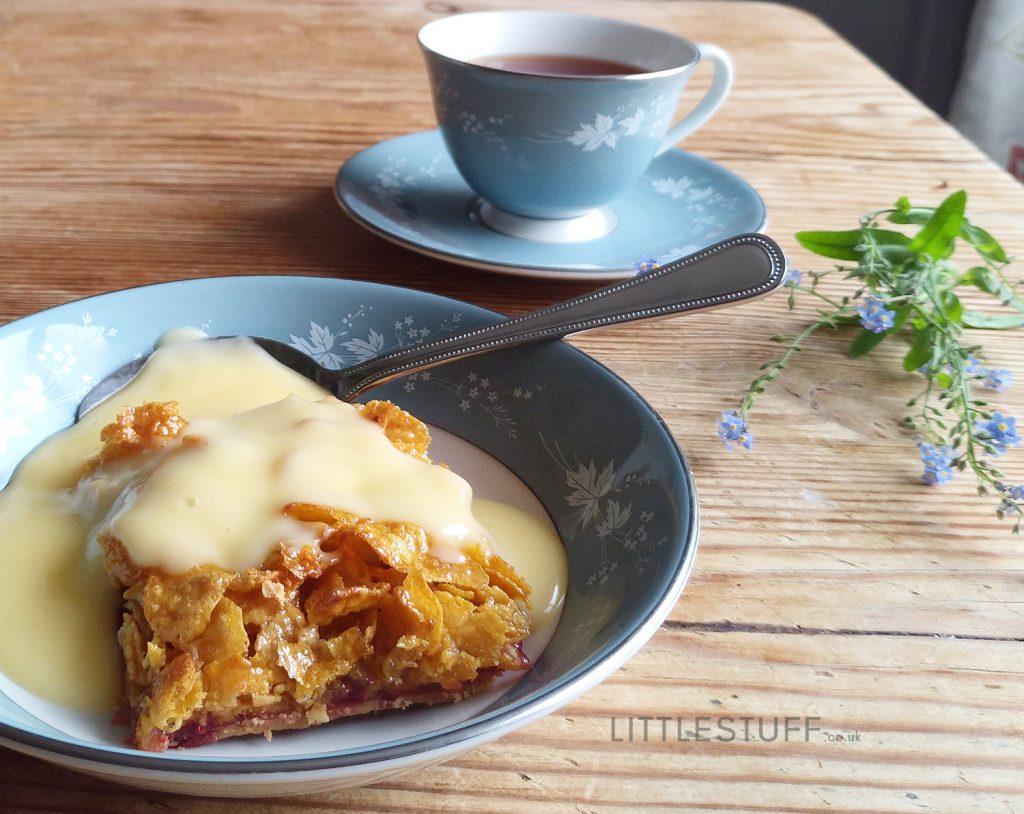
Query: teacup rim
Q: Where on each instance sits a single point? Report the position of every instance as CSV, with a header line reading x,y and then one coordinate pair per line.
x,y
630,77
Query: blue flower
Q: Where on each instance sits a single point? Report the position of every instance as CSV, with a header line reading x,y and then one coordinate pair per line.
x,y
1011,492
999,433
997,379
1007,506
793,278
874,316
937,463
1013,496
645,264
733,428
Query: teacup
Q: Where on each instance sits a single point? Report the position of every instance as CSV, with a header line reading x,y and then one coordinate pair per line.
x,y
550,116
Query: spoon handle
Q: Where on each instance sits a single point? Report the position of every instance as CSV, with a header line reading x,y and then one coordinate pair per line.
x,y
741,268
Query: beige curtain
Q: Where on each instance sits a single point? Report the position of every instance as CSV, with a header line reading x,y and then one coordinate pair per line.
x,y
988,106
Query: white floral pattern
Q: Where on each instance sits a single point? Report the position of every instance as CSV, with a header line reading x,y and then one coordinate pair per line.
x,y
19,406
675,188
704,205
602,498
395,177
602,132
60,378
629,120
476,393
11,426
471,392
335,349
483,125
607,130
631,124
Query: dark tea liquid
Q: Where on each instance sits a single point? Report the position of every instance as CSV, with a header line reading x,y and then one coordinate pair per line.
x,y
558,65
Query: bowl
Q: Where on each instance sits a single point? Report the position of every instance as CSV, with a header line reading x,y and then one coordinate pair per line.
x,y
594,454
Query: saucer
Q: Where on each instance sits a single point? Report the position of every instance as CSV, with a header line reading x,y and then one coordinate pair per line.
x,y
407,190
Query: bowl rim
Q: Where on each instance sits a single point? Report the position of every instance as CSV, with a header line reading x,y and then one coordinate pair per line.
x,y
586,675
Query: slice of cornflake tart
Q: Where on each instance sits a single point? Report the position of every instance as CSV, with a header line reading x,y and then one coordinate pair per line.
x,y
261,590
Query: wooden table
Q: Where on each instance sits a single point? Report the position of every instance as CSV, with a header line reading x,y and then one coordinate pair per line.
x,y
164,139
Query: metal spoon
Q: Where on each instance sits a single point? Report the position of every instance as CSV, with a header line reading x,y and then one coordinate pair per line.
x,y
741,268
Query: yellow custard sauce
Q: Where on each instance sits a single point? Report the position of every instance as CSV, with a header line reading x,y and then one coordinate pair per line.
x,y
219,502
269,438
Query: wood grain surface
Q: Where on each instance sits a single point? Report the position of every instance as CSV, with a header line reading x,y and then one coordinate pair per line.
x,y
155,140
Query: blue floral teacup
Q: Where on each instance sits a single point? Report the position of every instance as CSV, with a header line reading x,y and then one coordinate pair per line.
x,y
550,116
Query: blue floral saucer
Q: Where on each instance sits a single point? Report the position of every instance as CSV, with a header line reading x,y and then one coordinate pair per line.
x,y
408,191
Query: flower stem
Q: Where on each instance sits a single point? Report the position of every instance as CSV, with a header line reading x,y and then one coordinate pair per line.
x,y
775,367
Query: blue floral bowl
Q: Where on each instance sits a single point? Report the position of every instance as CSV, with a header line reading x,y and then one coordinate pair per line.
x,y
604,466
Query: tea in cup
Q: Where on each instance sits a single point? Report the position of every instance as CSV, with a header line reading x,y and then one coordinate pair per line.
x,y
550,116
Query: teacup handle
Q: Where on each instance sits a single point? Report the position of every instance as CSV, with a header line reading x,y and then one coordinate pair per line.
x,y
712,100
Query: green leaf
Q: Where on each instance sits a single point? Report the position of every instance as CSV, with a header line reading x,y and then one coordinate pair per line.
x,y
837,245
890,252
989,282
999,322
889,237
921,347
952,307
983,278
944,380
845,245
983,243
865,342
903,204
901,316
916,214
938,235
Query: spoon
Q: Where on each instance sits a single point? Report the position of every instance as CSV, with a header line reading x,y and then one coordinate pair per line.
x,y
742,268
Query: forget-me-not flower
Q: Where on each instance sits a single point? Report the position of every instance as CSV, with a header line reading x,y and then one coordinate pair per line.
x,y
1000,432
993,378
732,428
1013,496
997,379
645,264
874,316
937,463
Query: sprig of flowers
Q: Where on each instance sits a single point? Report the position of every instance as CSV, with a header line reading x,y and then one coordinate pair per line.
x,y
645,264
905,286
